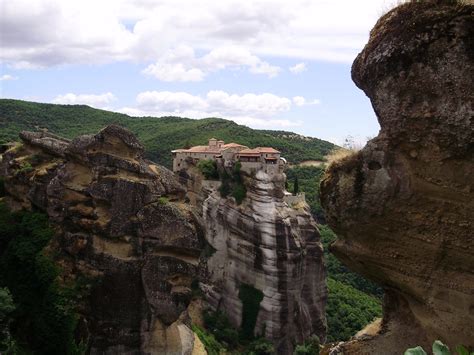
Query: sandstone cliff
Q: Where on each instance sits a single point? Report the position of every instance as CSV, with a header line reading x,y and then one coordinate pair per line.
x,y
121,222
403,207
271,247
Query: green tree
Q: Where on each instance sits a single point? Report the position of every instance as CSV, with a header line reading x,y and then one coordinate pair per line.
x,y
45,317
296,187
6,308
208,168
310,347
260,346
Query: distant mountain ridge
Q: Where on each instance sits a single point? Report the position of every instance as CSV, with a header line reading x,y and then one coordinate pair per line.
x,y
159,135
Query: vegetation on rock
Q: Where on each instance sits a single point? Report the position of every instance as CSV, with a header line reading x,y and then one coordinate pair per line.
x,y
308,182
208,168
438,348
233,184
44,319
310,347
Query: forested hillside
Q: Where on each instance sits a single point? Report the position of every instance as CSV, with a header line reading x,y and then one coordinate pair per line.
x,y
159,135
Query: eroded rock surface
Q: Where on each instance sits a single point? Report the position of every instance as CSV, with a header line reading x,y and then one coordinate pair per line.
x,y
403,207
274,248
121,222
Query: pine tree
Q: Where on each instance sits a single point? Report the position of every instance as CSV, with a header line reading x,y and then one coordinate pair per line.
x,y
296,188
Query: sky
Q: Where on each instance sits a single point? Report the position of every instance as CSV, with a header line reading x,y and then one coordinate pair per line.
x,y
267,64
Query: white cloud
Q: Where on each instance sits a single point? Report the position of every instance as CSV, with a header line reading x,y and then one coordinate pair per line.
x,y
7,77
256,110
298,68
54,32
167,101
181,64
234,57
176,65
301,101
99,101
262,105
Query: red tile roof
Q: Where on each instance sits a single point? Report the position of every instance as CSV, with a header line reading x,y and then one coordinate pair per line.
x,y
233,145
217,150
258,151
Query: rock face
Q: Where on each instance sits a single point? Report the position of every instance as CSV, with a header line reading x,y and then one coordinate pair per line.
x,y
276,249
122,222
403,207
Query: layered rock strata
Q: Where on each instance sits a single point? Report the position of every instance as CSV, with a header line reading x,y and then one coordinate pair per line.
x,y
403,207
121,222
272,247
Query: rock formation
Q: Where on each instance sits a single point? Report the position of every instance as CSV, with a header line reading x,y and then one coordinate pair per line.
x,y
403,206
124,225
121,221
274,248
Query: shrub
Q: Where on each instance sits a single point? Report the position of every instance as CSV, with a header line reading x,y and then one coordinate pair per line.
x,y
219,325
239,192
212,346
438,348
225,188
261,346
163,200
25,167
310,347
208,168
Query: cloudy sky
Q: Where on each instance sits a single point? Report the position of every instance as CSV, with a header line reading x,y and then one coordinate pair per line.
x,y
272,64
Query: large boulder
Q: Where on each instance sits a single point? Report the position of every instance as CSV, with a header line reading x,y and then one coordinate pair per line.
x,y
403,206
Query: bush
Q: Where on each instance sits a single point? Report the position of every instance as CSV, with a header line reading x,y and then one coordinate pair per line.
x,y
261,346
438,348
225,189
208,168
213,347
26,167
239,193
233,184
219,325
163,200
310,347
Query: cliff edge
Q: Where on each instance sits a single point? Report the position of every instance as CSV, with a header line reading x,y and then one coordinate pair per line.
x,y
268,250
403,206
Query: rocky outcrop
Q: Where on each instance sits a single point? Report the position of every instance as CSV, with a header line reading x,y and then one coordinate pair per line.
x,y
403,206
122,223
272,248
